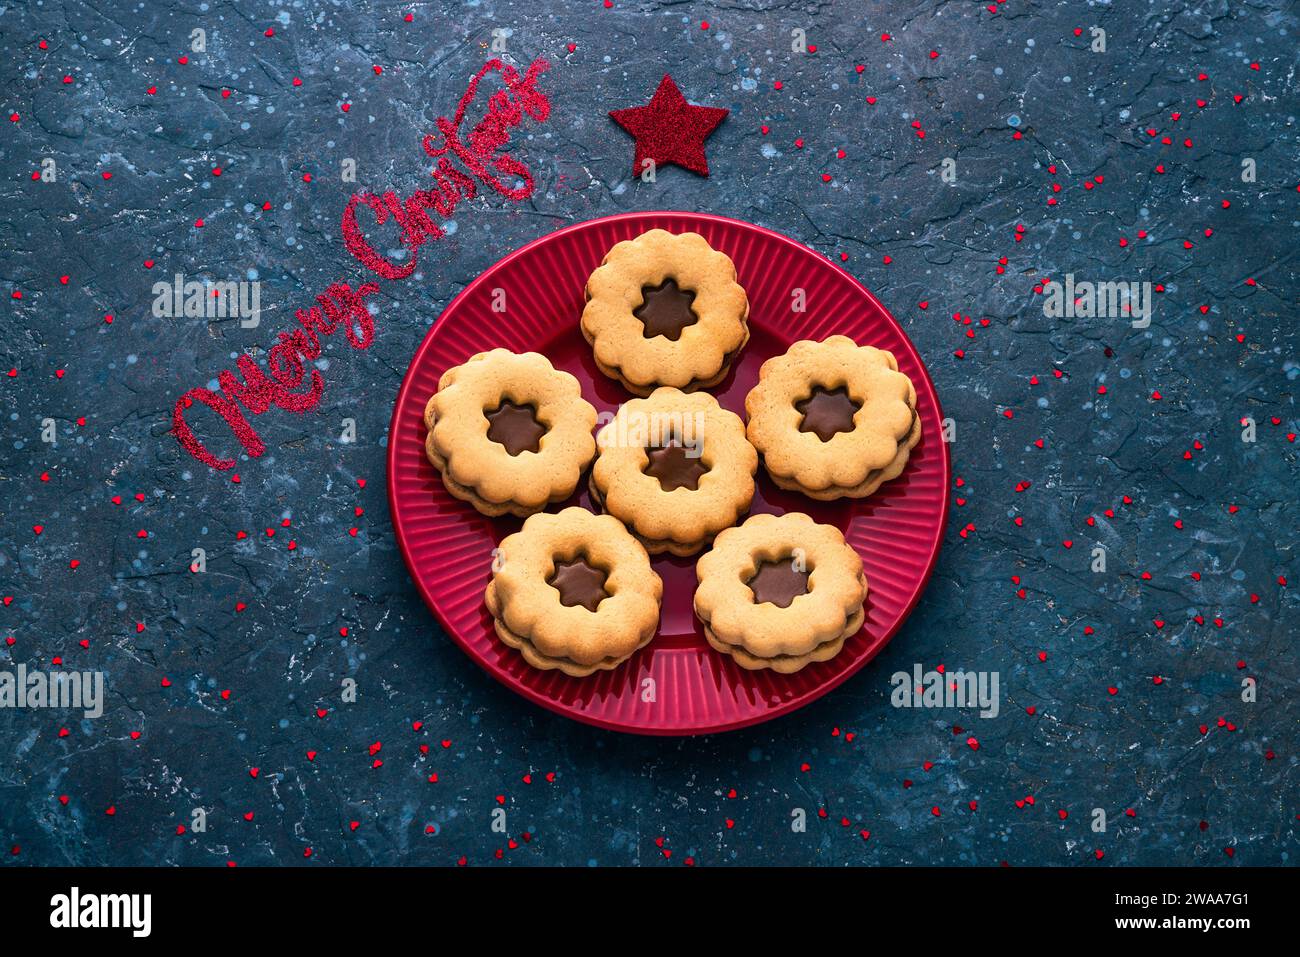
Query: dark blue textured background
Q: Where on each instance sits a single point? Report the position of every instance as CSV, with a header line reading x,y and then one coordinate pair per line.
x,y
617,799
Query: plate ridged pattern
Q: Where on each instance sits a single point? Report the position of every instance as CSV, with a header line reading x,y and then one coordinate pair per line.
x,y
448,546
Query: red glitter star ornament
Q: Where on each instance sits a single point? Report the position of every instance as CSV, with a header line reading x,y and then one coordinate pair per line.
x,y
670,130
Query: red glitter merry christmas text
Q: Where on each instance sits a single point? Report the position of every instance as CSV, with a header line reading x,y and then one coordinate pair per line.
x,y
481,151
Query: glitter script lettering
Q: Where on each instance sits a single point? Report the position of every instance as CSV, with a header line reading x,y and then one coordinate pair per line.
x,y
480,152
285,382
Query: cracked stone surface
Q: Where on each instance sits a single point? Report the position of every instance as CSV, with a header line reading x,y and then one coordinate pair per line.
x,y
1119,691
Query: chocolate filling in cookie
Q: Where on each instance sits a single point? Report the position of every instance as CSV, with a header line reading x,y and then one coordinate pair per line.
x,y
516,427
579,583
778,582
675,466
665,310
827,412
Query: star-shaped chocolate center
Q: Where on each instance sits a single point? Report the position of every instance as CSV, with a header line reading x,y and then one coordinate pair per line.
x,y
675,466
516,427
827,412
579,583
665,310
778,582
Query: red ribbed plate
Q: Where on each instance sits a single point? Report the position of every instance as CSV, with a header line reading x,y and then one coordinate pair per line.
x,y
448,546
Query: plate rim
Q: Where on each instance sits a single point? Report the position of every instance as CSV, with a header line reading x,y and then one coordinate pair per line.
x,y
559,707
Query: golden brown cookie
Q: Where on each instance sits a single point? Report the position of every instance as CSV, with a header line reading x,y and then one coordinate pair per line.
x,y
509,432
780,592
574,591
833,419
675,468
665,309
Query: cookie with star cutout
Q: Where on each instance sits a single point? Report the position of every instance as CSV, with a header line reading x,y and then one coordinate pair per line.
x,y
676,468
833,419
780,592
574,591
509,433
665,309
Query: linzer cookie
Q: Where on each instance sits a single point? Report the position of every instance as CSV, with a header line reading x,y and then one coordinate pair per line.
x,y
833,419
509,432
780,592
675,468
574,591
665,309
